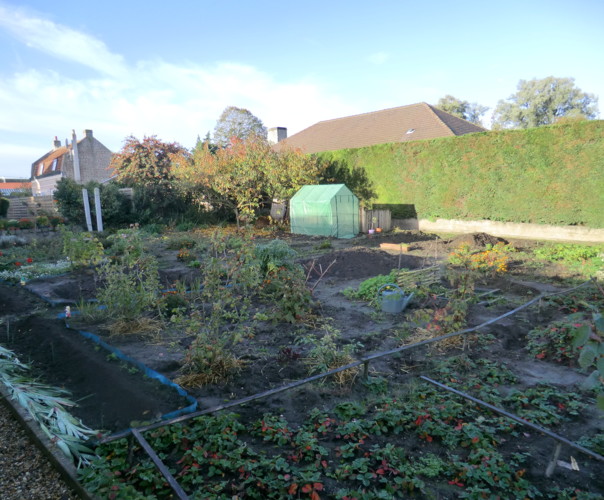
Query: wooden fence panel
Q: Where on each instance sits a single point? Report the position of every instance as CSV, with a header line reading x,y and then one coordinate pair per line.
x,y
383,219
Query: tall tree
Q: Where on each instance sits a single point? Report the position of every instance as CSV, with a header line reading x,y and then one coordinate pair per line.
x,y
246,173
147,166
542,102
470,111
239,123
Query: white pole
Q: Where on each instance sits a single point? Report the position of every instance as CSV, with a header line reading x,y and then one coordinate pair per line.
x,y
87,209
97,208
76,157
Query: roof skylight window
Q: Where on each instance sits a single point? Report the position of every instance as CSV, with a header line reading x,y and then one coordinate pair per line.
x,y
410,131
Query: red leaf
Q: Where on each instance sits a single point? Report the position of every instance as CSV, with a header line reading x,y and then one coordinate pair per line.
x,y
292,489
307,488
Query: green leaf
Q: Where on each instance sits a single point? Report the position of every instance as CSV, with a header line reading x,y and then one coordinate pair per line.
x,y
581,335
600,365
588,356
599,322
591,381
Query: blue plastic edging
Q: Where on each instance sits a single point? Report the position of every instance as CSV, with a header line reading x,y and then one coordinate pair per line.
x,y
145,369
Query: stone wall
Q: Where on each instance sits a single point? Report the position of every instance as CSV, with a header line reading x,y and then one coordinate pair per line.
x,y
94,159
505,229
26,208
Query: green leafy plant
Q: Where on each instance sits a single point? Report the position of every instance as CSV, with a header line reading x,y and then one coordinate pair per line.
x,y
326,355
42,221
588,259
126,245
589,339
82,249
545,405
555,341
129,290
285,288
4,204
368,289
208,361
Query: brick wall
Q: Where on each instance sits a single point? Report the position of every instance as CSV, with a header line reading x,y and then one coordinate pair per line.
x,y
94,159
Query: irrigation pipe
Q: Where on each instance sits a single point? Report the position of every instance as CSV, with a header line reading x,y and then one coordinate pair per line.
x,y
363,361
176,488
518,419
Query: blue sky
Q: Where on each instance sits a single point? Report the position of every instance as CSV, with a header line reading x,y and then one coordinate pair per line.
x,y
170,68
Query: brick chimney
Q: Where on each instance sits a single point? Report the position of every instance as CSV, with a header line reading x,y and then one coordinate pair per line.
x,y
88,134
57,143
277,134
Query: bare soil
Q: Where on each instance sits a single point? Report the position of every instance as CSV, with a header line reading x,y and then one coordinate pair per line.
x,y
111,397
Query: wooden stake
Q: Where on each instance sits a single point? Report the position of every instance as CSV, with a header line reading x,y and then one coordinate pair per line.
x,y
552,465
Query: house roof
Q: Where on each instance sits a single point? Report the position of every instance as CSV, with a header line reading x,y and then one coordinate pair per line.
x,y
11,187
405,123
47,164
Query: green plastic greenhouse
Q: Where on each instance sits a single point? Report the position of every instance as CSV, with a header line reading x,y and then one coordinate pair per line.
x,y
325,210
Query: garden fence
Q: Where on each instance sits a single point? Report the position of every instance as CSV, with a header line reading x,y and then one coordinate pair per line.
x,y
383,220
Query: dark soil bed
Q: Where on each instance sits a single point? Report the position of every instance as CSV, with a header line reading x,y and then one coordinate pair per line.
x,y
111,394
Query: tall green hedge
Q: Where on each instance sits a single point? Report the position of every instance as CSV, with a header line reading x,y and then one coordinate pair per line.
x,y
545,175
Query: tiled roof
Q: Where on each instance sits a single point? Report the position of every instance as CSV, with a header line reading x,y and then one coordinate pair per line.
x,y
11,187
48,163
405,123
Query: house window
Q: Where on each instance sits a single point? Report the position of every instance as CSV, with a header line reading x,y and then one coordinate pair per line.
x,y
40,168
53,167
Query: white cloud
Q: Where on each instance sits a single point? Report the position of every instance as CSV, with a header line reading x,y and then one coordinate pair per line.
x,y
60,41
174,102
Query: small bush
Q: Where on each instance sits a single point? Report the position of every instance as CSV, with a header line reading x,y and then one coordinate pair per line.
x,y
42,221
55,220
4,204
153,228
208,361
25,224
129,290
493,260
82,249
185,226
325,355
